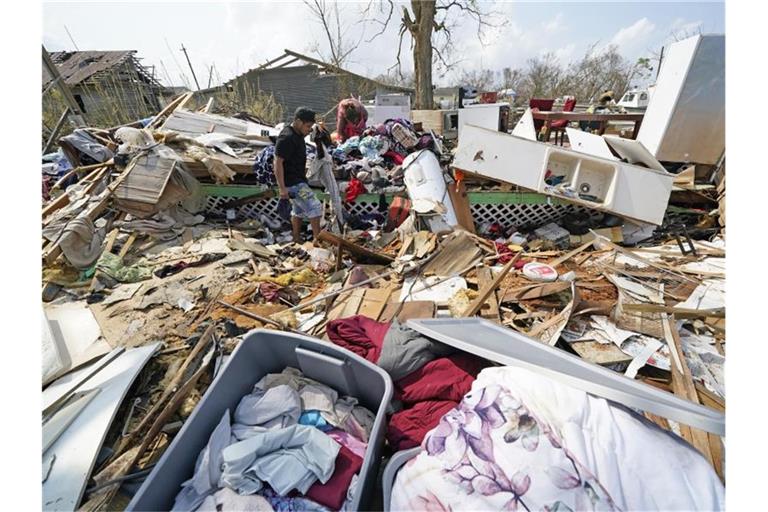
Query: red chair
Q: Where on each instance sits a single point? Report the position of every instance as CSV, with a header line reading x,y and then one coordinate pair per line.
x,y
541,105
558,125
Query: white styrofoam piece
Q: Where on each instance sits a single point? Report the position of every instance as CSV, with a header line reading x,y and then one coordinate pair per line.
x,y
624,189
76,449
588,143
685,118
495,343
525,128
424,179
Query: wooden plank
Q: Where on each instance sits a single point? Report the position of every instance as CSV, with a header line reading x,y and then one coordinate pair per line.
x,y
484,279
353,248
600,353
374,302
456,253
127,245
353,303
678,312
562,259
682,385
486,291
407,310
458,194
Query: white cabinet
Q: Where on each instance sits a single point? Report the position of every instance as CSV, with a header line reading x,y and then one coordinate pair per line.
x,y
627,190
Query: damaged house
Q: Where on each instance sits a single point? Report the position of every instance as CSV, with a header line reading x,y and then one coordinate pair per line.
x,y
297,80
112,87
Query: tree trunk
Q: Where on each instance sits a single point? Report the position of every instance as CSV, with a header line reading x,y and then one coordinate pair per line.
x,y
421,31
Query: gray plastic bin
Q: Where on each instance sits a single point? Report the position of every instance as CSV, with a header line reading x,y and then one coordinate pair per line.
x,y
397,461
261,352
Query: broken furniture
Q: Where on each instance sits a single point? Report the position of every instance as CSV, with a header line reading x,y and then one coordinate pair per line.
x,y
549,117
558,126
608,185
494,116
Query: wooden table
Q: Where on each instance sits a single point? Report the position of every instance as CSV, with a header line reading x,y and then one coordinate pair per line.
x,y
603,119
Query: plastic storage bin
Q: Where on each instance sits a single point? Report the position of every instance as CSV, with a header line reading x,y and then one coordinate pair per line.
x,y
261,352
397,461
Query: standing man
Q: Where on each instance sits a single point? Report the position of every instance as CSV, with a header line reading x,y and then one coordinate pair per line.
x,y
291,173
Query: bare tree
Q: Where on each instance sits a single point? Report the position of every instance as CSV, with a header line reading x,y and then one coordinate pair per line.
x,y
406,79
430,24
480,79
336,32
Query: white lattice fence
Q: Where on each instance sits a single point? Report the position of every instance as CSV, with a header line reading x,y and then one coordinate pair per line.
x,y
506,214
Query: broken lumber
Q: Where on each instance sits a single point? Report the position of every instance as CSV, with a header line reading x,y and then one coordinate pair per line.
x,y
483,294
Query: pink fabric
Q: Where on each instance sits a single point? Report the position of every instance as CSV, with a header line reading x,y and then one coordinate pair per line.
x,y
359,334
354,445
333,493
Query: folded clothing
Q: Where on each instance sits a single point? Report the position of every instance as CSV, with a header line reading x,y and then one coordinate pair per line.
x,y
447,378
333,493
407,428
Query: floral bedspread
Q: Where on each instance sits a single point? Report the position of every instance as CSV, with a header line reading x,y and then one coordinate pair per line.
x,y
521,441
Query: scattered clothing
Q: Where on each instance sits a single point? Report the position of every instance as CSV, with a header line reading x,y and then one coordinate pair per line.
x,y
291,503
81,242
333,493
358,334
355,187
447,378
396,348
405,350
175,268
227,500
205,480
407,428
520,440
314,419
349,441
289,458
274,408
340,412
113,266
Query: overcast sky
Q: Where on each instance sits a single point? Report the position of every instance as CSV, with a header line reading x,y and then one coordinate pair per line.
x,y
239,36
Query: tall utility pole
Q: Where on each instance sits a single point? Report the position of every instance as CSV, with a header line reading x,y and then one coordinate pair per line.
x,y
190,66
78,117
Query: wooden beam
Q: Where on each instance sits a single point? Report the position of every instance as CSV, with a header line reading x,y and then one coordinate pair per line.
x,y
56,129
678,312
562,259
683,386
484,279
353,248
483,294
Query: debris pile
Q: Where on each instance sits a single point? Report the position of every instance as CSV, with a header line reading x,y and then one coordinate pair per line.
x,y
139,276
